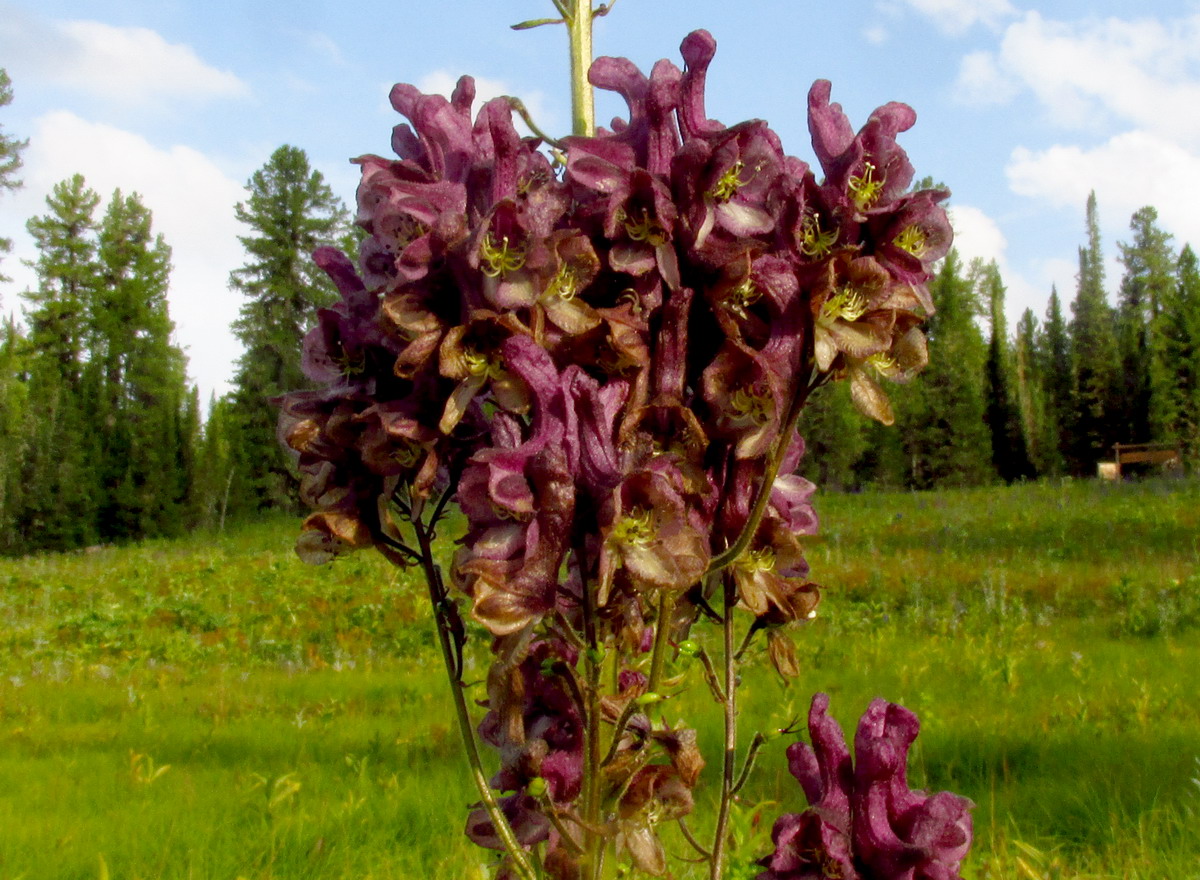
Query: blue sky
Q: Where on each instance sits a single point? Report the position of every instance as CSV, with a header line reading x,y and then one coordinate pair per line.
x,y
1023,108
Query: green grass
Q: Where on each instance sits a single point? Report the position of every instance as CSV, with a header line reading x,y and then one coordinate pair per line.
x,y
211,708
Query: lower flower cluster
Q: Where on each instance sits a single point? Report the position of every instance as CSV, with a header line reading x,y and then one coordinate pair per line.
x,y
863,821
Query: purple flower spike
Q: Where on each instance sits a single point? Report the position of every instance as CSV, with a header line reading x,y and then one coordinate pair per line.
x,y
863,821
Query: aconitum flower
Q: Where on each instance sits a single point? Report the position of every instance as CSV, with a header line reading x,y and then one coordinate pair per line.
x,y
863,821
599,354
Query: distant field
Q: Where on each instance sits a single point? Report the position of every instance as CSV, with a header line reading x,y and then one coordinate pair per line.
x,y
212,709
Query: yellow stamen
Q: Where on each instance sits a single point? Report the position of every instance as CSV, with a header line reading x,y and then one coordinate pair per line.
x,y
635,528
865,189
884,364
815,243
845,305
648,229
742,297
729,183
407,453
753,561
480,364
912,239
564,284
498,260
408,231
350,364
751,406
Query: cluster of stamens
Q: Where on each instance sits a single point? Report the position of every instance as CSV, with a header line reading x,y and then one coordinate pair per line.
x,y
500,259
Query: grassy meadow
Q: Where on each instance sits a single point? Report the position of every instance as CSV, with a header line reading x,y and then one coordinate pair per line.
x,y
210,708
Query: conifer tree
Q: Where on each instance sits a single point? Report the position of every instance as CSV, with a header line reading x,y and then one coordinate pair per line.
x,y
66,270
1146,367
143,376
100,454
10,156
1095,425
941,416
1175,367
290,211
59,437
1040,442
215,463
1147,281
13,410
1010,456
1054,364
835,434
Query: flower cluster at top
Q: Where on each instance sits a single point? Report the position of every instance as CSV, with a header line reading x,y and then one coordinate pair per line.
x,y
602,361
863,822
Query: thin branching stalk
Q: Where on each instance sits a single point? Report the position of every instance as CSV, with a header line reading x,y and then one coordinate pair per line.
x,y
521,110
691,838
710,676
618,732
437,599
751,754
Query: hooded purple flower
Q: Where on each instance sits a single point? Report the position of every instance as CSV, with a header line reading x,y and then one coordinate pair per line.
x,y
863,821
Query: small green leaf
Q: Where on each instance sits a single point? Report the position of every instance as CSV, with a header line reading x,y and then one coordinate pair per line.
x,y
536,22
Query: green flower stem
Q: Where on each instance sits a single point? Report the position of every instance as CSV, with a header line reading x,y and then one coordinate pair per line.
x,y
717,865
763,494
666,605
579,27
592,660
437,596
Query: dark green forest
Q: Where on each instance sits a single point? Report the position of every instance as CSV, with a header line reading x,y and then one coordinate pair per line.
x,y
103,439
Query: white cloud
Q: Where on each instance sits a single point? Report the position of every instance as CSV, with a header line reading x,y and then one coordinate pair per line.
x,y
980,81
876,35
192,202
1128,171
978,236
1094,73
955,17
129,66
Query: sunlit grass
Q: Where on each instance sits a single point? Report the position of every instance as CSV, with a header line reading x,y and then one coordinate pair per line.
x,y
211,708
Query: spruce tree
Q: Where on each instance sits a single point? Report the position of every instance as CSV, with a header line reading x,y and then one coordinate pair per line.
x,y
942,418
215,464
290,211
835,435
60,480
67,275
1095,424
10,156
143,377
1175,367
1030,381
1054,364
1010,456
14,406
1146,367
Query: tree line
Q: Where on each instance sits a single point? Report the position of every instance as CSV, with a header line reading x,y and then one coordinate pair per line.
x,y
103,439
